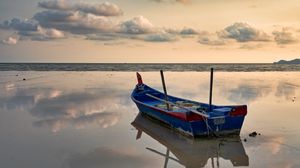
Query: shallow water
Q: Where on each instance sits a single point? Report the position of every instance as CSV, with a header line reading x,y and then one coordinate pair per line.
x,y
83,119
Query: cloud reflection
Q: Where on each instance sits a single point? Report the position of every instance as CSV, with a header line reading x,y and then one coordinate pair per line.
x,y
276,144
286,90
77,109
103,119
246,93
56,109
110,158
23,99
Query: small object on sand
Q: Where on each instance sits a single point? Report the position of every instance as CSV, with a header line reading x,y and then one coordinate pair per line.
x,y
17,75
259,134
253,134
294,98
24,79
245,140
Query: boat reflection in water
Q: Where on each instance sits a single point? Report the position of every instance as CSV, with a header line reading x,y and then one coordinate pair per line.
x,y
192,153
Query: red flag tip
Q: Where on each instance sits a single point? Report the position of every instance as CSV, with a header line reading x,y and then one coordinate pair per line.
x,y
139,78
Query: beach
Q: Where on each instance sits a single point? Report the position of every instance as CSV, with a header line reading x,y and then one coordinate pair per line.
x,y
84,119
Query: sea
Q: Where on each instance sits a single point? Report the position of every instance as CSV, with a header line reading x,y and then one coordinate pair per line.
x,y
60,115
176,67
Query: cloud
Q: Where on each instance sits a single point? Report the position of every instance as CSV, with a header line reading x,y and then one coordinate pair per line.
x,y
79,22
42,34
284,37
162,37
137,25
19,25
29,30
211,41
250,46
92,22
103,37
74,22
242,32
110,158
10,41
66,19
55,24
56,5
103,9
188,31
51,33
154,37
45,18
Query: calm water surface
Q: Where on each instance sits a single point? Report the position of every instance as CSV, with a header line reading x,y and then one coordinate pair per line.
x,y
87,120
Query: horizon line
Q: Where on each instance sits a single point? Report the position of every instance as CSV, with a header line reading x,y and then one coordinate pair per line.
x,y
131,63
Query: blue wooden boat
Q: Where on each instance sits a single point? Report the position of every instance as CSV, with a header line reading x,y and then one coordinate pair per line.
x,y
186,116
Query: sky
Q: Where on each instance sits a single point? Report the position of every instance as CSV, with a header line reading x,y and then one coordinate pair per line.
x,y
149,31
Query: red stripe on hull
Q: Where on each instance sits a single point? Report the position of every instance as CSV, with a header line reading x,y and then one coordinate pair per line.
x,y
239,111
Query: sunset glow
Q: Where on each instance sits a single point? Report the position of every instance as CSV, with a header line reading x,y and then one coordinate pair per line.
x,y
149,31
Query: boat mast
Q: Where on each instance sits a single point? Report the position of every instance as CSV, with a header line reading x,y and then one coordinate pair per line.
x,y
211,87
165,89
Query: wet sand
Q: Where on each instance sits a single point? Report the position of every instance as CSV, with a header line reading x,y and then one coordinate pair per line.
x,y
86,119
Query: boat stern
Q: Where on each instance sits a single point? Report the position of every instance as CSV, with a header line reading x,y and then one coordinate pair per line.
x,y
221,122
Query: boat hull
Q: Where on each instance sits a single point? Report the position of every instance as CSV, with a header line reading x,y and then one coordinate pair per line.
x,y
229,125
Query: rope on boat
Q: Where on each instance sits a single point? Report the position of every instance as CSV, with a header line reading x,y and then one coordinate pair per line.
x,y
205,116
207,126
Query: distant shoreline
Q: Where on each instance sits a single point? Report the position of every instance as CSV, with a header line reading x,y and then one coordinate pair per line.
x,y
132,63
294,61
132,67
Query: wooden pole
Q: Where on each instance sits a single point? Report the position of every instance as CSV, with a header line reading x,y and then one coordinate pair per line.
x,y
164,87
211,87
